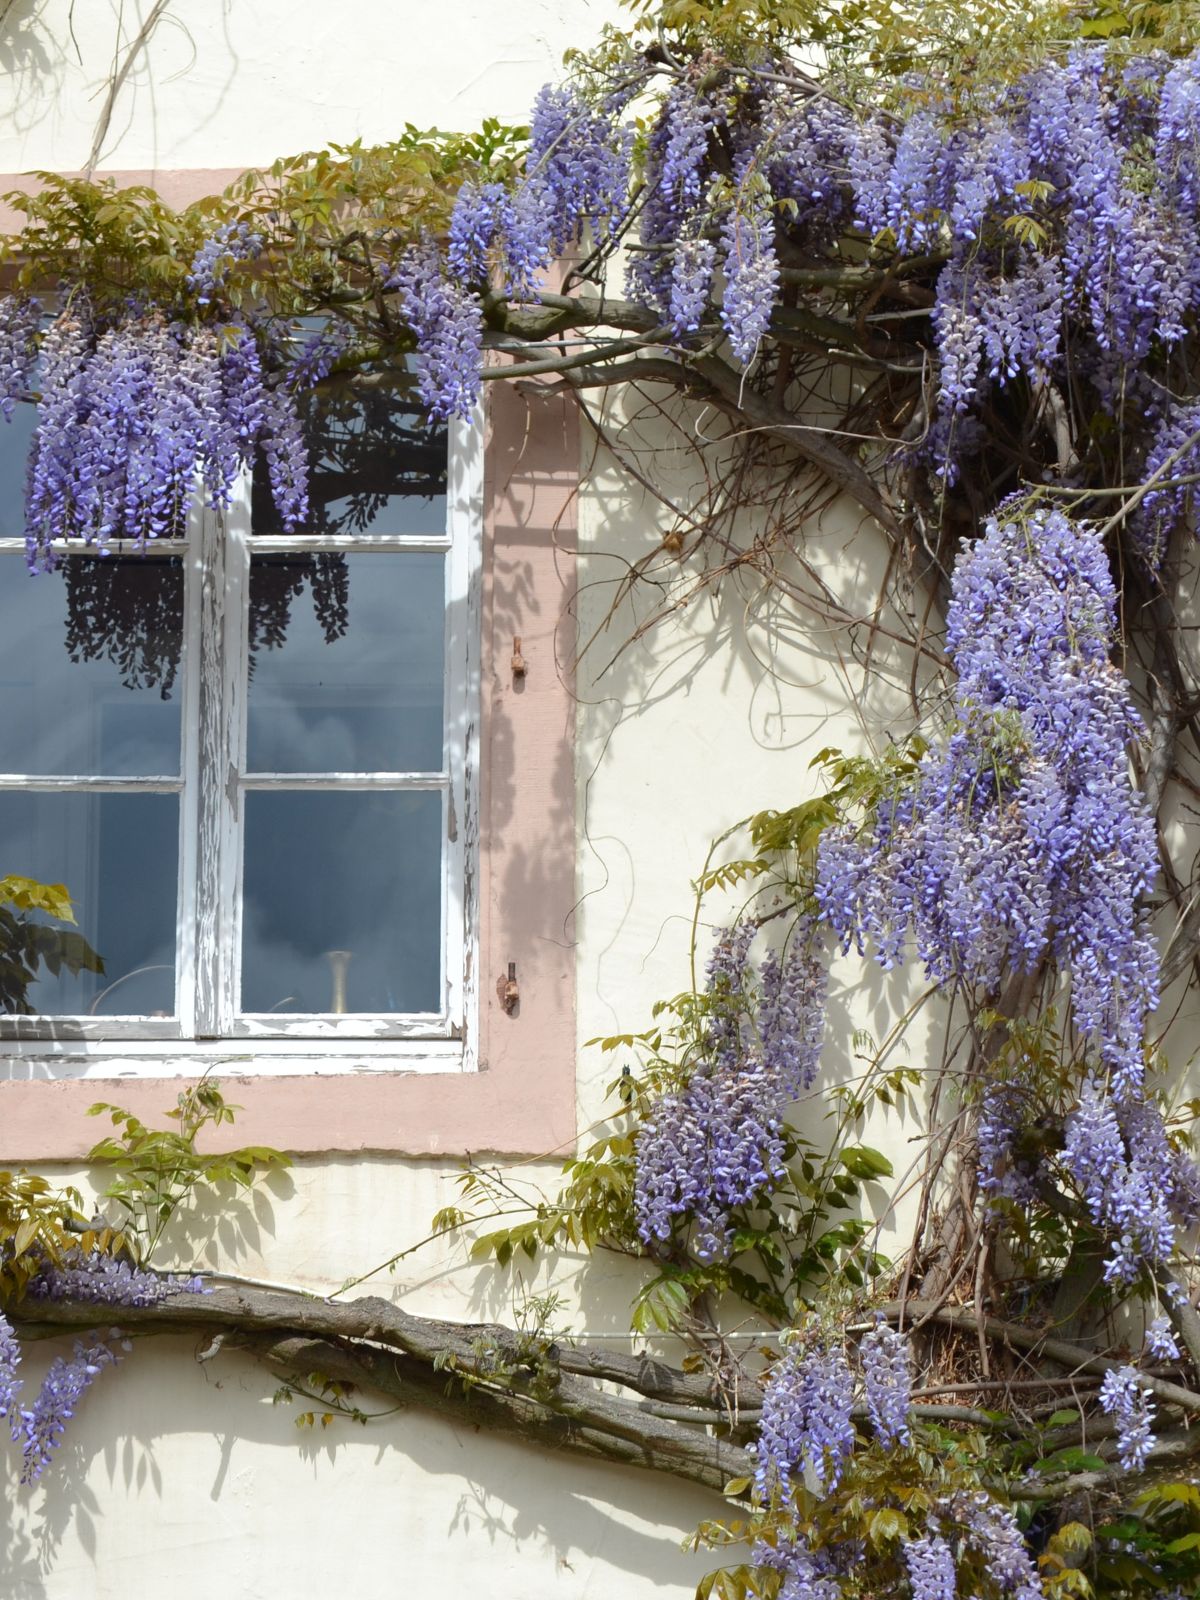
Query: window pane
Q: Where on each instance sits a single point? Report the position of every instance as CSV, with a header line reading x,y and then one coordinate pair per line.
x,y
352,683
15,438
342,902
89,658
118,856
377,464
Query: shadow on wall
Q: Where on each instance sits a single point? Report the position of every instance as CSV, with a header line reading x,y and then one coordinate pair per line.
x,y
699,703
237,1490
32,61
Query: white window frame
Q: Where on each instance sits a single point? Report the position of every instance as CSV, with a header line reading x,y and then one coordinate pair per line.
x,y
208,1031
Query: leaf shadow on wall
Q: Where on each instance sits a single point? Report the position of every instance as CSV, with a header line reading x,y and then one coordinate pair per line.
x,y
195,1459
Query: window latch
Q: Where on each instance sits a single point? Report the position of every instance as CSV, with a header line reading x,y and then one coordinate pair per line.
x,y
518,660
510,994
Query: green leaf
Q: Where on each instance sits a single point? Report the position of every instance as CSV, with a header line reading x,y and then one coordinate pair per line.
x,y
660,1306
864,1162
886,1525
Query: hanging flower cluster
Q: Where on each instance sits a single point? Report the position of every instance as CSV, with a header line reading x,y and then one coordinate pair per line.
x,y
806,1421
212,263
931,1568
1124,1399
804,1575
1066,205
20,318
10,1360
1021,838
134,413
808,1401
40,1429
887,1378
718,1143
98,1279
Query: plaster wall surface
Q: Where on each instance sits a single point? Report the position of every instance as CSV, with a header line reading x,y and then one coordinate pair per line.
x,y
226,83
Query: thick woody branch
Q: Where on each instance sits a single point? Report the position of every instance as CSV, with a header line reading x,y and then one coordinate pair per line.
x,y
478,1372
713,378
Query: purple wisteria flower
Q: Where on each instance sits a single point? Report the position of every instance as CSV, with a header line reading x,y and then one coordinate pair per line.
x,y
992,1530
718,1142
804,1575
749,257
1021,837
691,279
445,320
1123,1398
674,174
231,242
1160,1339
132,411
10,1360
806,1421
108,1280
579,158
931,1570
20,319
887,1374
40,1429
1173,456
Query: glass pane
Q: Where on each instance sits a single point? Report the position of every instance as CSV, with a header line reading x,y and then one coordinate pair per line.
x,y
377,464
341,904
15,439
89,658
354,682
118,856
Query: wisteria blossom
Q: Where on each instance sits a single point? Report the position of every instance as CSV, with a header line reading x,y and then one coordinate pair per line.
x,y
931,1570
717,1142
132,412
10,1360
108,1280
1021,837
40,1429
887,1373
1124,1398
806,1420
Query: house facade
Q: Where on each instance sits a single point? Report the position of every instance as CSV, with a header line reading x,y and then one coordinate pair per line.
x,y
385,871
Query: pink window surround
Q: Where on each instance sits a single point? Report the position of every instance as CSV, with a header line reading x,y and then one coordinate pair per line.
x,y
521,1101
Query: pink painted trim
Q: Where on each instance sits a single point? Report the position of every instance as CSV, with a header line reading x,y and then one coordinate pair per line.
x,y
179,187
522,1101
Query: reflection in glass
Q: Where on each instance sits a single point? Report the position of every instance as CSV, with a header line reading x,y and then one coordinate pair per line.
x,y
16,436
88,658
118,856
369,700
342,902
377,464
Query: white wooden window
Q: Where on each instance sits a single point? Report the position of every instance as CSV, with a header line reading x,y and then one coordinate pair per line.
x,y
251,755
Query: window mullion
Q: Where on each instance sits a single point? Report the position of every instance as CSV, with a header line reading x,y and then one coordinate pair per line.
x,y
222,713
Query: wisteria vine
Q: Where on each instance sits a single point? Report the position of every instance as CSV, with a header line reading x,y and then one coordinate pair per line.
x,y
1046,236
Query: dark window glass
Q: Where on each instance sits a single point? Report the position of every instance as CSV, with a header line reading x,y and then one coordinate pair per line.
x,y
353,683
376,465
118,855
342,902
89,658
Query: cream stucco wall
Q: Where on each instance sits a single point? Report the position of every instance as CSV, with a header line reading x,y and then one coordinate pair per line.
x,y
229,83
183,1478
